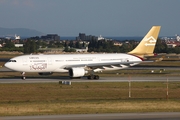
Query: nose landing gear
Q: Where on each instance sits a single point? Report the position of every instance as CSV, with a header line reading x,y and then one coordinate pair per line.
x,y
23,76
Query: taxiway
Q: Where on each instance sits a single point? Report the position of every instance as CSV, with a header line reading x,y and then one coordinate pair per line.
x,y
115,116
84,79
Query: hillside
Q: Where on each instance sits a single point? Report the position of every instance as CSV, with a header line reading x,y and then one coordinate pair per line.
x,y
23,32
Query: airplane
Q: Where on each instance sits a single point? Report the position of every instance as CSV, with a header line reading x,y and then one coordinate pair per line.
x,y
77,65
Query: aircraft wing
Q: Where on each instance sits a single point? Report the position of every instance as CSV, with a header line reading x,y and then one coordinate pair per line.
x,y
97,65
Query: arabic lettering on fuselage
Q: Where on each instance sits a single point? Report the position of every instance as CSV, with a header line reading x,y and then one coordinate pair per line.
x,y
38,66
33,57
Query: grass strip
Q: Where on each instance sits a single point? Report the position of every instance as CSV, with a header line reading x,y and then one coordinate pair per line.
x,y
87,107
92,97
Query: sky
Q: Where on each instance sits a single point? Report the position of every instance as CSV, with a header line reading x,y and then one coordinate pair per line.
x,y
93,17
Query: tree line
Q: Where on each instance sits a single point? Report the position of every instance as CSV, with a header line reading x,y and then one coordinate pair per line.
x,y
32,46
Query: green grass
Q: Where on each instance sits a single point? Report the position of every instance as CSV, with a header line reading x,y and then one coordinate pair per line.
x,y
9,54
54,98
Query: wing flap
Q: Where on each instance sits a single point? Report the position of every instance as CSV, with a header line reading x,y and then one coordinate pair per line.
x,y
97,65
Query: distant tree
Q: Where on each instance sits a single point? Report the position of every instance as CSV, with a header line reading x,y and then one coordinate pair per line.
x,y
71,44
43,44
69,49
78,45
124,48
30,47
9,44
59,45
66,49
65,44
72,50
51,44
160,47
177,50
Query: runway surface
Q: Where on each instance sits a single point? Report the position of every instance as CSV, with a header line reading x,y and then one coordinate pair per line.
x,y
84,79
116,116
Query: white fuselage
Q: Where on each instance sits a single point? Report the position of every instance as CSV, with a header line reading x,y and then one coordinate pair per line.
x,y
59,63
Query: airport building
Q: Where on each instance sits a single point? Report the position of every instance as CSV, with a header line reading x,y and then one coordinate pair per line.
x,y
84,37
53,37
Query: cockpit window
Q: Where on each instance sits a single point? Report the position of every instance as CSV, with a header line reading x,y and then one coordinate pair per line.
x,y
12,60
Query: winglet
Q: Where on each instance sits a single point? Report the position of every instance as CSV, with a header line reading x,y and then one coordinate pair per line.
x,y
147,44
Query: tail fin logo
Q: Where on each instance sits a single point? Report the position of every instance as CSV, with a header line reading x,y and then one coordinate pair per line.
x,y
151,41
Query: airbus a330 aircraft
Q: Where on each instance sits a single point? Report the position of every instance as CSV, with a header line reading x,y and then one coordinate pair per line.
x,y
79,64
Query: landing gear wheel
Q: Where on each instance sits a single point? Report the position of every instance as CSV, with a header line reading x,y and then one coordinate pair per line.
x,y
23,76
90,77
96,77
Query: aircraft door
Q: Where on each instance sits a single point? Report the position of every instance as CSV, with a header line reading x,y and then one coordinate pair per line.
x,y
49,61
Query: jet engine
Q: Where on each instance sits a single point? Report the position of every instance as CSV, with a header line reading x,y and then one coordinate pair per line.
x,y
76,72
45,73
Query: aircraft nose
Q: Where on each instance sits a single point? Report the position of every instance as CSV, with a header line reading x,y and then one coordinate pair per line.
x,y
6,65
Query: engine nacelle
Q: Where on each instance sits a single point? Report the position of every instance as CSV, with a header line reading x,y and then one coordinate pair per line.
x,y
45,73
76,72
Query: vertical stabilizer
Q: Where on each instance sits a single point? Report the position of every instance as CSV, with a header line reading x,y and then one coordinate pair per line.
x,y
147,44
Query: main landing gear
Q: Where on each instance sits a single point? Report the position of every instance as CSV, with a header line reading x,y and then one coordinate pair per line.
x,y
92,76
23,76
96,77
